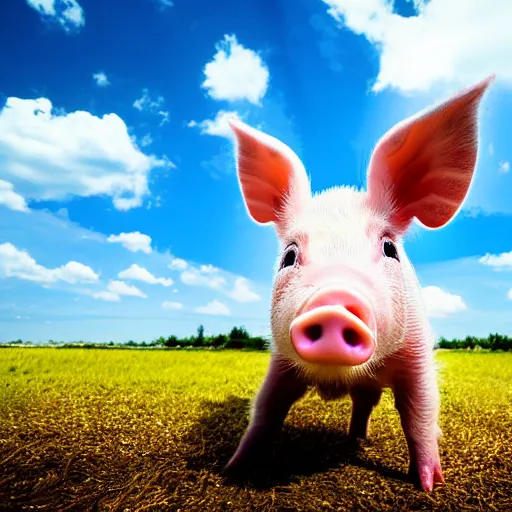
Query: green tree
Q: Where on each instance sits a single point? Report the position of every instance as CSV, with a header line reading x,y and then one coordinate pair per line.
x,y
239,334
199,339
171,341
219,340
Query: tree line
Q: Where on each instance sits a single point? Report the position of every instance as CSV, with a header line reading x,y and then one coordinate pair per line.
x,y
492,342
239,338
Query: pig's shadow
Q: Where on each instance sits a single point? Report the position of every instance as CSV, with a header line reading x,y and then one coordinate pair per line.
x,y
297,452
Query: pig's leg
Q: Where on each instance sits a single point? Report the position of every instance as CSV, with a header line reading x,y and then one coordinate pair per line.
x,y
363,402
417,401
280,389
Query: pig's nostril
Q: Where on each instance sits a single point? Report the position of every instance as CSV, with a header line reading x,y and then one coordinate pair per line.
x,y
314,332
351,337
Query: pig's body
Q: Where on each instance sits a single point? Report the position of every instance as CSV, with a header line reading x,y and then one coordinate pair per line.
x,y
347,313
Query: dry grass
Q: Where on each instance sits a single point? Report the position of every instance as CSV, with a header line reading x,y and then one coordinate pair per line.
x,y
142,430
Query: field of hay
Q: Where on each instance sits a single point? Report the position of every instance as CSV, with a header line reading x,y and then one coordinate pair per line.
x,y
137,430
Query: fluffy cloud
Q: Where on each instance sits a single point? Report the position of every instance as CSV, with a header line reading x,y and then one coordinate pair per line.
x,y
206,275
114,291
497,261
447,41
11,199
171,305
504,167
178,264
122,288
209,269
107,296
218,126
67,13
18,263
440,304
134,241
51,156
509,294
214,307
236,73
137,273
101,79
241,291
146,103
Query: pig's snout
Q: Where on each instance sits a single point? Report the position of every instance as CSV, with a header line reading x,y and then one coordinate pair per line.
x,y
335,327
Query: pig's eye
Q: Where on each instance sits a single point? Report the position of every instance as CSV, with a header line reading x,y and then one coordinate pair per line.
x,y
289,257
389,249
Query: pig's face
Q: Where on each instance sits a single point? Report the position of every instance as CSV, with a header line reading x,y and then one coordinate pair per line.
x,y
345,295
339,244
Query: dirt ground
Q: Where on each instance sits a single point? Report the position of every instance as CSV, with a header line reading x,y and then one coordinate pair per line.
x,y
103,432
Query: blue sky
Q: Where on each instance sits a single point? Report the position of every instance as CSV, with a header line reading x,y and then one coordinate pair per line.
x,y
120,212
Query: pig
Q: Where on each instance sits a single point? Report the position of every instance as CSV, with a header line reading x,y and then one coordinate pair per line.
x,y
347,316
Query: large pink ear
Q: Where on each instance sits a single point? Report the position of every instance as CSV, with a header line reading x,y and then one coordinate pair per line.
x,y
423,167
272,178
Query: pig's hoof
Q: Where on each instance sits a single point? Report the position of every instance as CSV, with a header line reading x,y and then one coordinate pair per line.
x,y
239,468
233,468
427,475
355,443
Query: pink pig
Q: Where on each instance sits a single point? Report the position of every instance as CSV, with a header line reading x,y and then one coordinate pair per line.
x,y
347,313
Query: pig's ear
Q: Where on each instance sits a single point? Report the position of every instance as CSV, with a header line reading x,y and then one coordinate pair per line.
x,y
272,178
423,167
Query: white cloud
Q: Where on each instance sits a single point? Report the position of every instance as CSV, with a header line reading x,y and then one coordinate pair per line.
x,y
208,276
504,167
440,304
147,140
165,117
11,199
214,308
55,156
18,263
509,294
171,305
114,291
194,277
459,41
497,261
137,273
178,264
236,73
209,269
241,291
101,79
122,288
146,103
134,241
68,13
218,126
107,296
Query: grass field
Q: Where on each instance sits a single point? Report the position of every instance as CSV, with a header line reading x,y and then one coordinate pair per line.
x,y
150,430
